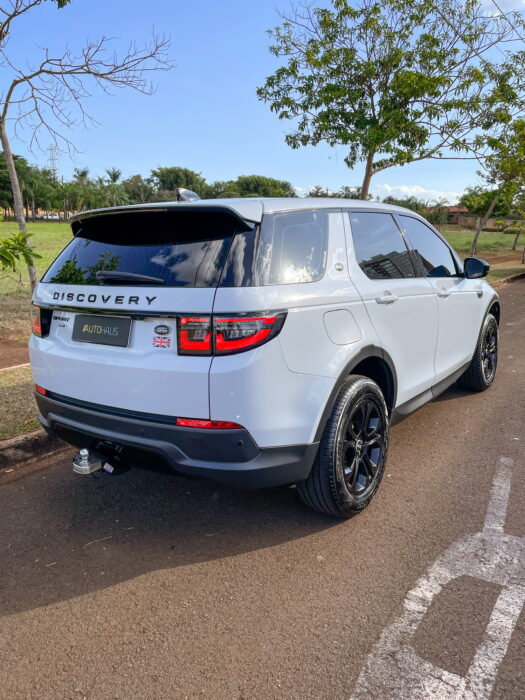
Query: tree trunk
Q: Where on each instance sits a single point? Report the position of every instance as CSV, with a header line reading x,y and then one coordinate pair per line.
x,y
367,177
474,246
18,203
516,240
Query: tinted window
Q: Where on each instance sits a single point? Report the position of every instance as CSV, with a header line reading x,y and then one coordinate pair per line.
x,y
292,248
184,249
379,246
433,256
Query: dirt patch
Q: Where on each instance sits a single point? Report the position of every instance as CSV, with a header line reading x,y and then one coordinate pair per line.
x,y
13,352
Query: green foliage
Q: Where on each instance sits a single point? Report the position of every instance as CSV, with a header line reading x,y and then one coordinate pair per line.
x,y
71,273
169,179
410,202
251,186
15,249
477,200
393,81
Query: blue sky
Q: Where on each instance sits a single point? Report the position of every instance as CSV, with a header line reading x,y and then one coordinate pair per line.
x,y
204,114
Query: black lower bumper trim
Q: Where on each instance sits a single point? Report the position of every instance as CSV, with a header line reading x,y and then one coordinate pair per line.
x,y
227,456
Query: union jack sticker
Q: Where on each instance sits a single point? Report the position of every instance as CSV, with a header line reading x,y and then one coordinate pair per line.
x,y
160,341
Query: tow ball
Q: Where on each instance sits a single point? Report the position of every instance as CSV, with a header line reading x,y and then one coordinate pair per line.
x,y
84,462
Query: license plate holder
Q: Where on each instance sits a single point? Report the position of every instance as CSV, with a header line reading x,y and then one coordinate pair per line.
x,y
102,330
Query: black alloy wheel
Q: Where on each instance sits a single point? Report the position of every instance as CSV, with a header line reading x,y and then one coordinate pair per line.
x,y
489,352
481,371
361,446
352,452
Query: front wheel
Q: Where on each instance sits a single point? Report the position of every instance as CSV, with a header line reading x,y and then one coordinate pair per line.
x,y
482,369
352,453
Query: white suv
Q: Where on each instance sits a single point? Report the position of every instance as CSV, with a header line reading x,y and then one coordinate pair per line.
x,y
256,341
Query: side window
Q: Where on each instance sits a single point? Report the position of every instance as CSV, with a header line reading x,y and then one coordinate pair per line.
x,y
433,257
379,246
293,247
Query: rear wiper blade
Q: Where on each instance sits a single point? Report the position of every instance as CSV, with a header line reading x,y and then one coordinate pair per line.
x,y
118,276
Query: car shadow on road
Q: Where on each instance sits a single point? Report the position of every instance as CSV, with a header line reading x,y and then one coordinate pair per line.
x,y
64,536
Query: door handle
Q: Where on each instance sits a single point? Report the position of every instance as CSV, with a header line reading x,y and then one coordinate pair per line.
x,y
387,298
443,293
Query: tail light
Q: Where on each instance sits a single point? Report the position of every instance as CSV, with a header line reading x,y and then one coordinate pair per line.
x,y
228,334
40,390
194,335
40,320
36,320
238,333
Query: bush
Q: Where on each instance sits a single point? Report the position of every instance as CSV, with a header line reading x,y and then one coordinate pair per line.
x,y
491,229
514,229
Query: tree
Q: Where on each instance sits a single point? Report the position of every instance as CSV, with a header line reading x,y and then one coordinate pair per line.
x,y
504,170
477,200
116,194
395,81
410,202
44,96
168,180
138,189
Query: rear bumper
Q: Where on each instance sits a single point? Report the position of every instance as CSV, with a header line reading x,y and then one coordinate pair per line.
x,y
145,440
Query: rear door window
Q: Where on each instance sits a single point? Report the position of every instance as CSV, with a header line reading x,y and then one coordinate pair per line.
x,y
380,249
178,249
432,255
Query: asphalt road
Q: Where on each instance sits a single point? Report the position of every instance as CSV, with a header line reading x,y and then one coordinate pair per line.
x,y
147,586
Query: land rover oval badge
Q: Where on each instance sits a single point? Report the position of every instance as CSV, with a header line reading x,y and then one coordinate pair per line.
x,y
162,330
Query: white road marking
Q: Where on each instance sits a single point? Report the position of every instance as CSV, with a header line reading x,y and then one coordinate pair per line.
x,y
393,670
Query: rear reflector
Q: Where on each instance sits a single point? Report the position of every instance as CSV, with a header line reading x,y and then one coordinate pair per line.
x,y
40,390
213,424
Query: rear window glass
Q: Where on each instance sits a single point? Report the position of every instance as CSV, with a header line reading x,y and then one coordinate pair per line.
x,y
379,246
292,248
178,249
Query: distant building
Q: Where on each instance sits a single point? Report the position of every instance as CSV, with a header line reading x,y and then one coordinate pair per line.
x,y
453,213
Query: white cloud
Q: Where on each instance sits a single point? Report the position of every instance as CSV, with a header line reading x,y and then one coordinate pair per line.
x,y
385,190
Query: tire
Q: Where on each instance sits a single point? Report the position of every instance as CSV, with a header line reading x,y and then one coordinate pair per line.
x,y
352,453
482,369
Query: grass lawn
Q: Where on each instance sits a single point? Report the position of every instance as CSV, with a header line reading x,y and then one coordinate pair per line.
x,y
15,297
18,410
487,242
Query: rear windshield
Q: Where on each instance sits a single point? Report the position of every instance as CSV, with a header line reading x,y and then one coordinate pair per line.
x,y
194,249
179,249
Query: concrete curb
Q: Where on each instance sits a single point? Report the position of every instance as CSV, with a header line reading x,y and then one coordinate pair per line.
x,y
24,448
507,280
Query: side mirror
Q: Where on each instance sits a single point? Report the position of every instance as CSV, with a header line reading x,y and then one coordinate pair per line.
x,y
475,268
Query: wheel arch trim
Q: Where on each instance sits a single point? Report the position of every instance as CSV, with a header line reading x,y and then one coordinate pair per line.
x,y
366,353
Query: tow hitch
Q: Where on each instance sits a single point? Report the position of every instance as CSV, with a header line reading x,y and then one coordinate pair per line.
x,y
85,462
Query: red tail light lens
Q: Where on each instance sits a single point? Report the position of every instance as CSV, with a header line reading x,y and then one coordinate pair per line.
x,y
224,335
238,333
40,390
213,424
194,335
36,321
